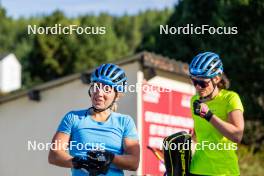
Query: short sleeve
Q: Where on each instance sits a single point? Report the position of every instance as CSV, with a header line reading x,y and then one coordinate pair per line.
x,y
130,129
66,124
234,103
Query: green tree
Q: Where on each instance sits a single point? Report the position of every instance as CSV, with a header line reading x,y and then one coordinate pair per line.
x,y
52,56
150,22
96,49
7,34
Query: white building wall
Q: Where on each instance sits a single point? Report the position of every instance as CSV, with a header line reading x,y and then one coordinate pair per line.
x,y
10,71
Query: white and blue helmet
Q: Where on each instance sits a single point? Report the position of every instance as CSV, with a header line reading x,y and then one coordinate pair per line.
x,y
206,65
112,75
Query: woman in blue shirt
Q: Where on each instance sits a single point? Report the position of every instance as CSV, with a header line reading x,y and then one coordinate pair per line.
x,y
100,141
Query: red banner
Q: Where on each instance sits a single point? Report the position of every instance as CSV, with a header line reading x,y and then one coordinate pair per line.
x,y
164,112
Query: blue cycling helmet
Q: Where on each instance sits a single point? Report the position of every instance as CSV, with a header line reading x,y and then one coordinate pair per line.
x,y
206,65
112,75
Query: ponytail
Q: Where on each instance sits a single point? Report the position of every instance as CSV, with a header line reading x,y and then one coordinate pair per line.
x,y
114,107
223,83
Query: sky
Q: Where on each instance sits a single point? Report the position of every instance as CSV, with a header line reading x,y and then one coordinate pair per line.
x,y
26,8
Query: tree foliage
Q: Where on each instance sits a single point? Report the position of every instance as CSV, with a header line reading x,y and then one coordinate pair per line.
x,y
242,53
47,57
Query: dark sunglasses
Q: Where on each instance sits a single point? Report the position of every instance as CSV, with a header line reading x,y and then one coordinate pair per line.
x,y
201,83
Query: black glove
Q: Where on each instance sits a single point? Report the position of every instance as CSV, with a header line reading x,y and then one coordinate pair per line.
x,y
80,163
202,110
100,160
197,107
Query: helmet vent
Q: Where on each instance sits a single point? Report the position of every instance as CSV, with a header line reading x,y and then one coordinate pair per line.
x,y
109,69
114,73
96,73
119,78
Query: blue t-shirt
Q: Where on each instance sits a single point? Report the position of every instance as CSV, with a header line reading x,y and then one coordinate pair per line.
x,y
87,134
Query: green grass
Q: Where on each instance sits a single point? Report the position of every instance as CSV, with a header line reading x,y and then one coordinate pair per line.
x,y
251,164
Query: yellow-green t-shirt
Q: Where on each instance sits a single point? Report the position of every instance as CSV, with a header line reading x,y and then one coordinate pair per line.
x,y
215,154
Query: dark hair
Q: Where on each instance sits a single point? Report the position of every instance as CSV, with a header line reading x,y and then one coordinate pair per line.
x,y
224,82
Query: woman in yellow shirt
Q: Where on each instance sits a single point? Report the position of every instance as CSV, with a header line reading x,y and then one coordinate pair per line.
x,y
218,119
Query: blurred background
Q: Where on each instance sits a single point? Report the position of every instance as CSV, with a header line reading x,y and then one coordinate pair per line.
x,y
132,27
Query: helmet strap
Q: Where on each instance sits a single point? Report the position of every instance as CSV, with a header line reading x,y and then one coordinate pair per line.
x,y
209,97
